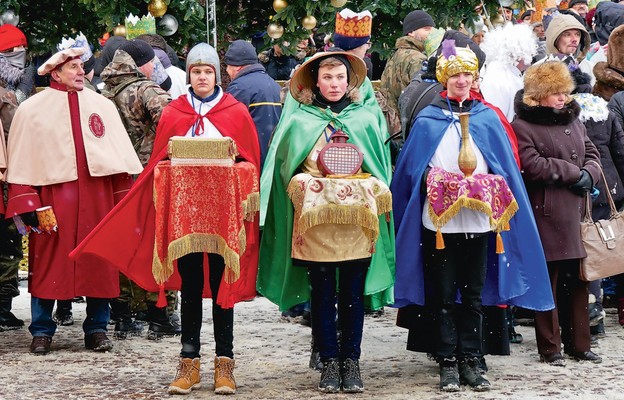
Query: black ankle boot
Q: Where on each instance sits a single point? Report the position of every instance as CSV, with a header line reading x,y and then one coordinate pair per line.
x,y
449,376
350,376
470,374
8,321
330,376
160,325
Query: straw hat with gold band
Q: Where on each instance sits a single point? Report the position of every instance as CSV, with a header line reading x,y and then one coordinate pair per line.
x,y
305,77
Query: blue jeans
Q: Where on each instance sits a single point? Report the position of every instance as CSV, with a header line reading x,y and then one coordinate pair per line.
x,y
350,309
98,314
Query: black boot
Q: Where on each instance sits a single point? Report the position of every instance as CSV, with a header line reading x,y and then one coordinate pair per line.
x,y
124,325
350,376
330,376
160,324
8,321
63,315
471,375
449,376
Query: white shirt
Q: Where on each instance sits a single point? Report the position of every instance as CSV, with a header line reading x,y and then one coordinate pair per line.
x,y
445,157
209,130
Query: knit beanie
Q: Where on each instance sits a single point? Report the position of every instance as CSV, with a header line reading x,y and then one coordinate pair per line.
x,y
415,20
140,51
239,53
11,36
352,29
203,54
575,2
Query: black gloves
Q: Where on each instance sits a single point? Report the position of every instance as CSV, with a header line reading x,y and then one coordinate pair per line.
x,y
30,219
583,185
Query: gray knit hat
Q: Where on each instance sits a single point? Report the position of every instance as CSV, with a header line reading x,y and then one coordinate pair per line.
x,y
415,20
203,54
241,52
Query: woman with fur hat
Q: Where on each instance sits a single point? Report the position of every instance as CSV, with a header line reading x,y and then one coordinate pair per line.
x,y
435,260
560,165
333,253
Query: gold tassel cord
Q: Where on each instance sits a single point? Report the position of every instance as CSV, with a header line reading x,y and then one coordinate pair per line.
x,y
439,240
500,248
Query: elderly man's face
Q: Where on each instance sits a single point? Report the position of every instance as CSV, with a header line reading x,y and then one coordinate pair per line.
x,y
581,9
568,42
71,74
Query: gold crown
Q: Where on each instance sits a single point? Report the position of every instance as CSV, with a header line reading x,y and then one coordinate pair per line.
x,y
136,26
354,26
464,60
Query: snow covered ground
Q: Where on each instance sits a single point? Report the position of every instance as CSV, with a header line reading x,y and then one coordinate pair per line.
x,y
272,363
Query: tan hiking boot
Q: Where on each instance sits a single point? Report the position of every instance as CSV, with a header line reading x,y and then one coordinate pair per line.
x,y
187,377
224,376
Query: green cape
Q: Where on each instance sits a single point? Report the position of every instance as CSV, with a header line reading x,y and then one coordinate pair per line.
x,y
297,132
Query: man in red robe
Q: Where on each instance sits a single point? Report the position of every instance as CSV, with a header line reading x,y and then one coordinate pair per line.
x,y
68,149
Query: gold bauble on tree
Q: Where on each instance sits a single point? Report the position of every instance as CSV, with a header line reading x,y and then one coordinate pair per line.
x,y
157,8
309,22
275,31
279,5
120,30
338,3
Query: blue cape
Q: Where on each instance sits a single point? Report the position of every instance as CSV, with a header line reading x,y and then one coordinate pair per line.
x,y
519,276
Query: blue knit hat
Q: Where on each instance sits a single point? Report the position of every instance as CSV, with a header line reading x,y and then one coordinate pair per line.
x,y
352,29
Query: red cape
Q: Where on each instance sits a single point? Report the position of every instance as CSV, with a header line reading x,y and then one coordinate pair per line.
x,y
126,236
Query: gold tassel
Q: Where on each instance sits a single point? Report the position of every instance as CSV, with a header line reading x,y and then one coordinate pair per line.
x,y
439,240
500,248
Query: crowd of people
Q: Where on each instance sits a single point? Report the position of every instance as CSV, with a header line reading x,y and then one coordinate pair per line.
x,y
454,192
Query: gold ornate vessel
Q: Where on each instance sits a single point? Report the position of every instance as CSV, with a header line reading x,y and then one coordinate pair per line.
x,y
467,159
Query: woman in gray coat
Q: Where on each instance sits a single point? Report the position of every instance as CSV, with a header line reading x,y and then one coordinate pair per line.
x,y
559,165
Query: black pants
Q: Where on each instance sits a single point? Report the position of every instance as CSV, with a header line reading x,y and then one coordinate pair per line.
x,y
460,266
350,296
191,271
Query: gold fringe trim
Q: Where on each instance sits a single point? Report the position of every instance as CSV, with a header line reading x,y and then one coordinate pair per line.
x,y
200,243
342,215
202,148
295,193
251,205
361,175
477,205
384,203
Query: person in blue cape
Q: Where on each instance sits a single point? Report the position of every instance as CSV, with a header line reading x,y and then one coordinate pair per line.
x,y
467,256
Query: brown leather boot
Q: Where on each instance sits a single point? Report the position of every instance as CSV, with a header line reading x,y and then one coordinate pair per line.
x,y
224,376
187,377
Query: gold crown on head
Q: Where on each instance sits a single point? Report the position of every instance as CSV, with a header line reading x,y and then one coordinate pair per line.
x,y
351,24
454,60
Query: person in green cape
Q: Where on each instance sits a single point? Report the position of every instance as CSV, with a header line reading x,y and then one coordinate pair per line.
x,y
295,266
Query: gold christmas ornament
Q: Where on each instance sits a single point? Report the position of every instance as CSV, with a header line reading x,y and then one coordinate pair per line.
x,y
157,8
279,5
275,31
120,30
309,22
338,3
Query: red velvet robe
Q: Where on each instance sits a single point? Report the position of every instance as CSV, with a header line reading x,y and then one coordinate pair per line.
x,y
126,236
79,206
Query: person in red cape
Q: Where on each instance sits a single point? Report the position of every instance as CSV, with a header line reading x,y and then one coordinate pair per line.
x,y
126,236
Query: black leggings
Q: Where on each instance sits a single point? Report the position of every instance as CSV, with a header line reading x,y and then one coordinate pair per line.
x,y
191,271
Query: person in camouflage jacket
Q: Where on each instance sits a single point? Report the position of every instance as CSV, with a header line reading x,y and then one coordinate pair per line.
x,y
139,100
407,58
